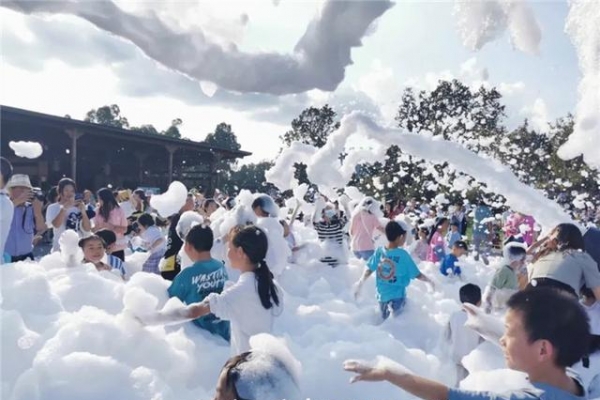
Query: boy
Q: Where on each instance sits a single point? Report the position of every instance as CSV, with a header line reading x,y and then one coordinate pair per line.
x,y
454,233
546,332
463,340
205,276
110,238
395,269
448,266
505,281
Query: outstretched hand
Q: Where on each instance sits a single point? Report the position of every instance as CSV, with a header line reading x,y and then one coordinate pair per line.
x,y
365,371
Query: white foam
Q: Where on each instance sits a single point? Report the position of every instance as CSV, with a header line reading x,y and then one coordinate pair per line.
x,y
171,201
24,149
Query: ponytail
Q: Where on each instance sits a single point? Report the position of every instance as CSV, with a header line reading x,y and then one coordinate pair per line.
x,y
267,291
438,223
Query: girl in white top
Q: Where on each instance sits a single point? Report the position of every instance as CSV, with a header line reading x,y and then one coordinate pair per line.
x,y
253,302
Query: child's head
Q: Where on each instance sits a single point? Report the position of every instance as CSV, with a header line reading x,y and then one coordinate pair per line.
x,y
454,226
470,293
93,248
145,221
460,248
264,206
587,295
395,234
514,254
423,233
198,240
544,328
109,238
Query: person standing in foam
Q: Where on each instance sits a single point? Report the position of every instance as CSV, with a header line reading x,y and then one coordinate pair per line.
x,y
267,219
253,302
6,206
362,225
437,244
505,281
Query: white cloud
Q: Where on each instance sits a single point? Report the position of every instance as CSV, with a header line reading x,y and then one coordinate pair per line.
x,y
538,115
382,87
319,58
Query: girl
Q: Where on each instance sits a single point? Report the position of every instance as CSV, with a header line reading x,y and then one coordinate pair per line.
x,y
251,304
154,242
362,225
266,219
94,250
421,248
437,247
110,216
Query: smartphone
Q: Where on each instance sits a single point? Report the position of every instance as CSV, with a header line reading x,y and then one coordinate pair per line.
x,y
78,196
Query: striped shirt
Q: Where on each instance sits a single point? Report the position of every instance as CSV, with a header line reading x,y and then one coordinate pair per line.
x,y
116,263
333,232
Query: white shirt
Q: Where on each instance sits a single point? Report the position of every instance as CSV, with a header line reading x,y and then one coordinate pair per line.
x,y
150,236
240,305
463,340
72,220
7,210
278,250
593,313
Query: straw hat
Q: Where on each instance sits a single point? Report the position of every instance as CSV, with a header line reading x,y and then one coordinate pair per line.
x,y
124,195
19,180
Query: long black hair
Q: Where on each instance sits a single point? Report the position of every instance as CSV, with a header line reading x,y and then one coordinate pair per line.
x,y
569,237
254,244
438,222
142,195
109,202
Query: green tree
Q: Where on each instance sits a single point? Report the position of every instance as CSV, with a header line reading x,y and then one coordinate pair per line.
x,y
251,177
173,130
107,115
148,129
313,126
224,138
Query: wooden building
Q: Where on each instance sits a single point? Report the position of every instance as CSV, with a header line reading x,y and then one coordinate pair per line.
x,y
97,155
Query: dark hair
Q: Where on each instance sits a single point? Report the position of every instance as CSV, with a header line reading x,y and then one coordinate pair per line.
x,y
514,252
454,223
254,244
438,222
108,236
569,238
64,182
146,220
6,169
229,203
548,314
470,293
109,203
393,231
200,237
259,202
587,292
208,202
142,195
52,194
83,241
461,244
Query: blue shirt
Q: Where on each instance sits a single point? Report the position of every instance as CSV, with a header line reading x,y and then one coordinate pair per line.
x,y
448,266
453,237
394,269
481,213
539,391
194,283
22,230
116,263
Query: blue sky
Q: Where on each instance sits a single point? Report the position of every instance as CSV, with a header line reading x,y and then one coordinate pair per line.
x,y
63,64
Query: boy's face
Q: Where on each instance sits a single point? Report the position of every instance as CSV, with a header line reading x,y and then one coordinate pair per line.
x,y
521,354
93,251
459,252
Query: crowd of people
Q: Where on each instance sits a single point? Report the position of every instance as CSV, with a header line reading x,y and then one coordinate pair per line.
x,y
548,284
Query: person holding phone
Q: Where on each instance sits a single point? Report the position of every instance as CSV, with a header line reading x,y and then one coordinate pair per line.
x,y
68,213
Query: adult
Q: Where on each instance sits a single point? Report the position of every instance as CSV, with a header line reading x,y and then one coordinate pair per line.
x,y
437,243
67,213
560,261
521,227
28,221
209,206
110,216
170,264
6,206
483,230
363,224
140,206
124,200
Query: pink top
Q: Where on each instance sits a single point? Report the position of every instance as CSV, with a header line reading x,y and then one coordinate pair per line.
x,y
520,226
117,218
436,240
362,226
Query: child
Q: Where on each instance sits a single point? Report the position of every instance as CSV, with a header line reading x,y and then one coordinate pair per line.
x,y
250,304
546,332
448,266
437,244
205,276
395,269
454,234
290,240
110,239
505,281
154,242
463,340
421,247
94,251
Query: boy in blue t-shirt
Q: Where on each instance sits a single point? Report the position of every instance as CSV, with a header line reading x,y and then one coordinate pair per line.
x,y
448,266
394,269
205,276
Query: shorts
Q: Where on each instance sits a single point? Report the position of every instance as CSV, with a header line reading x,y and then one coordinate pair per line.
x,y
395,306
364,254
